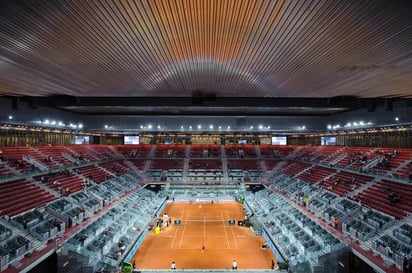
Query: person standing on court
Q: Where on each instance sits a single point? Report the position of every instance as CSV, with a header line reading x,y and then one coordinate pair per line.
x,y
202,247
173,266
234,265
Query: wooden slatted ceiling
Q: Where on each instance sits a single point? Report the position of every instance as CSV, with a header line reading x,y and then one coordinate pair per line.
x,y
227,47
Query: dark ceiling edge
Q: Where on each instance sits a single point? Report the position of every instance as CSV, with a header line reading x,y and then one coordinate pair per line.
x,y
203,113
342,103
62,100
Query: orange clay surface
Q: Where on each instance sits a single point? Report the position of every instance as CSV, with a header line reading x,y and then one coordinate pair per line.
x,y
223,242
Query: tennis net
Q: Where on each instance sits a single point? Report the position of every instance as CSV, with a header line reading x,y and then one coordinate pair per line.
x,y
205,222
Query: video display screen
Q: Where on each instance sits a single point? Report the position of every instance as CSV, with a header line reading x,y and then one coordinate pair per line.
x,y
131,140
328,140
81,140
279,140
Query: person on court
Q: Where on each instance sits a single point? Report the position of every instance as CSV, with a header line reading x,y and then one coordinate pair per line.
x,y
202,247
234,265
173,266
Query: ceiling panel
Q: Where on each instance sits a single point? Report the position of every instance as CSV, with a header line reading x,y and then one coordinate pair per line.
x,y
229,48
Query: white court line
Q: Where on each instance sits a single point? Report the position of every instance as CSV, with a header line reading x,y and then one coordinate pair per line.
x,y
204,226
183,234
215,248
233,233
224,228
177,229
196,236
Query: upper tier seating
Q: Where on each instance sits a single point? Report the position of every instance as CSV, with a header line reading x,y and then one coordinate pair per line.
x,y
55,154
117,167
275,151
244,164
21,195
170,151
316,174
205,151
13,158
167,164
344,182
61,180
205,164
378,196
138,163
272,163
240,151
293,168
95,173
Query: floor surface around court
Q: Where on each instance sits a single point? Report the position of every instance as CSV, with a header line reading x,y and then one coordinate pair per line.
x,y
207,223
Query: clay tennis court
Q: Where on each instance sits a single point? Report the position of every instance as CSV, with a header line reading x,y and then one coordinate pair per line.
x,y
203,223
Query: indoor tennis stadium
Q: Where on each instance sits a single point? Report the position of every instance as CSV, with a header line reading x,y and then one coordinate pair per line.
x,y
205,136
